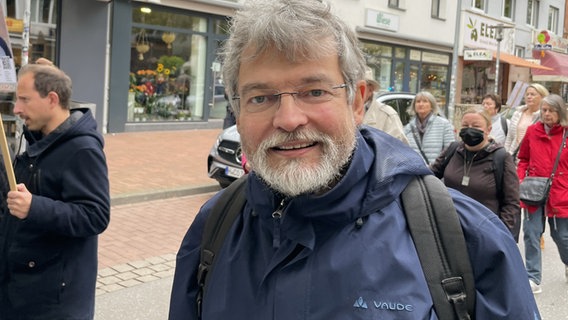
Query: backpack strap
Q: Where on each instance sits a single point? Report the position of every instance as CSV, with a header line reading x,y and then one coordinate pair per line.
x,y
221,218
498,169
504,125
440,243
448,154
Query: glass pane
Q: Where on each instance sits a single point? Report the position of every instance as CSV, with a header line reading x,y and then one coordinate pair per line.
x,y
220,26
398,77
507,9
434,81
169,19
413,83
400,53
166,77
373,50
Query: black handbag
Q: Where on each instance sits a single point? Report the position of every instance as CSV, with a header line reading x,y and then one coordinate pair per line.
x,y
533,191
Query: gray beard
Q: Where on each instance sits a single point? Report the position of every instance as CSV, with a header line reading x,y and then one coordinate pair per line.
x,y
295,177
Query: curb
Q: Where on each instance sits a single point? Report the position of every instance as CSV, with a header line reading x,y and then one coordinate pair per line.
x,y
162,194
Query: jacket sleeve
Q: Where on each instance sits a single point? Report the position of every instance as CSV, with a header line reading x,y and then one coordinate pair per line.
x,y
83,208
512,132
495,258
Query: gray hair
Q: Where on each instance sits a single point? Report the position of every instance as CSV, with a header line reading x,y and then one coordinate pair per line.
x,y
300,30
428,96
48,79
556,103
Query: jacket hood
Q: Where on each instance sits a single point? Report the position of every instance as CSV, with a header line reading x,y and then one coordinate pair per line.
x,y
82,123
379,170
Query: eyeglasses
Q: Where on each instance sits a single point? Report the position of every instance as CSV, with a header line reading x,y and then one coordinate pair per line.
x,y
258,100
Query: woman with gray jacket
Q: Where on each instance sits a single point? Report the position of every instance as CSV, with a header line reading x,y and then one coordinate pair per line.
x,y
427,132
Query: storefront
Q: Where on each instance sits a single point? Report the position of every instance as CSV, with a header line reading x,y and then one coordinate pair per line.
x,y
556,79
406,69
173,68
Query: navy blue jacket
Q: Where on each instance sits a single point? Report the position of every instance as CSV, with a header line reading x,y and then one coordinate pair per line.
x,y
48,261
315,263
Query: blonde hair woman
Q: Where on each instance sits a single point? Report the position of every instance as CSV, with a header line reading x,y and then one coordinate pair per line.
x,y
524,117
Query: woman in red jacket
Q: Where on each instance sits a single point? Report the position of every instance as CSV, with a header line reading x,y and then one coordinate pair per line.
x,y
537,155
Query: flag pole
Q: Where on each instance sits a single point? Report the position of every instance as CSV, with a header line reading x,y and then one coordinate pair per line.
x,y
6,156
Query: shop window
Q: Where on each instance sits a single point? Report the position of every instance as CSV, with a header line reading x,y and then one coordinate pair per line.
x,y
532,12
508,8
221,26
379,58
553,19
434,80
167,66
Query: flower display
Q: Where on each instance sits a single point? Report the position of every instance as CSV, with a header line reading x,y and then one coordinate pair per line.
x,y
155,90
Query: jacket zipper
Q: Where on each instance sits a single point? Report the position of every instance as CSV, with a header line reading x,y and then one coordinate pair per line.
x,y
277,218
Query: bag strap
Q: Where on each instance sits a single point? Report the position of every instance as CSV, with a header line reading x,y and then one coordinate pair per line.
x,y
222,216
448,154
439,240
504,125
498,170
562,145
415,136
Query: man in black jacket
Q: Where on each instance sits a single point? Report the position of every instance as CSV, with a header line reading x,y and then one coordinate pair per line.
x,y
49,228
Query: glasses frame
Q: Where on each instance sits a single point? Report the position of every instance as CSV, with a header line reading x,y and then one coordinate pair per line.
x,y
293,94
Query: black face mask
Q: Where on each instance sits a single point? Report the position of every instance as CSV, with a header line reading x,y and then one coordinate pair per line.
x,y
472,136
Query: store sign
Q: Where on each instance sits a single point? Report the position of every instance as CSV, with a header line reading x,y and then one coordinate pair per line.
x,y
381,20
15,25
477,33
477,55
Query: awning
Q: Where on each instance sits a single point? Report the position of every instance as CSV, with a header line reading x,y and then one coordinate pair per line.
x,y
520,62
558,64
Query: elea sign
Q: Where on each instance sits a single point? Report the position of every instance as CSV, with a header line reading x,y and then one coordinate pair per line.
x,y
477,55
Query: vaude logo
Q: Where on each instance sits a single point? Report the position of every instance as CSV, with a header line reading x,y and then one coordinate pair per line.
x,y
360,303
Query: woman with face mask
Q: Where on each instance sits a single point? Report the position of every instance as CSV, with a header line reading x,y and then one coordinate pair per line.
x,y
476,163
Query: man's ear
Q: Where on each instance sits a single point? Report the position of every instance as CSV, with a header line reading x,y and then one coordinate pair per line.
x,y
53,98
359,101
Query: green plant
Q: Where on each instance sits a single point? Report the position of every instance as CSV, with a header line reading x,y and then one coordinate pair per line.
x,y
173,63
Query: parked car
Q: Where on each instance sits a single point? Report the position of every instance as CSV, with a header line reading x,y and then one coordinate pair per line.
x,y
224,162
399,101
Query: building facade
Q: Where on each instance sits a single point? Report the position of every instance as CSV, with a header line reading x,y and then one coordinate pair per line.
x,y
154,64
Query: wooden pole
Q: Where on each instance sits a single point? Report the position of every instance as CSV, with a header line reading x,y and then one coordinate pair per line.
x,y
6,156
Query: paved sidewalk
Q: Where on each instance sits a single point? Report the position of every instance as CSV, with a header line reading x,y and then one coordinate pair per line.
x,y
158,181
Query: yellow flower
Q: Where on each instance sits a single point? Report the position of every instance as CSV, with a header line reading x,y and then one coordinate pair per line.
x,y
166,71
160,68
